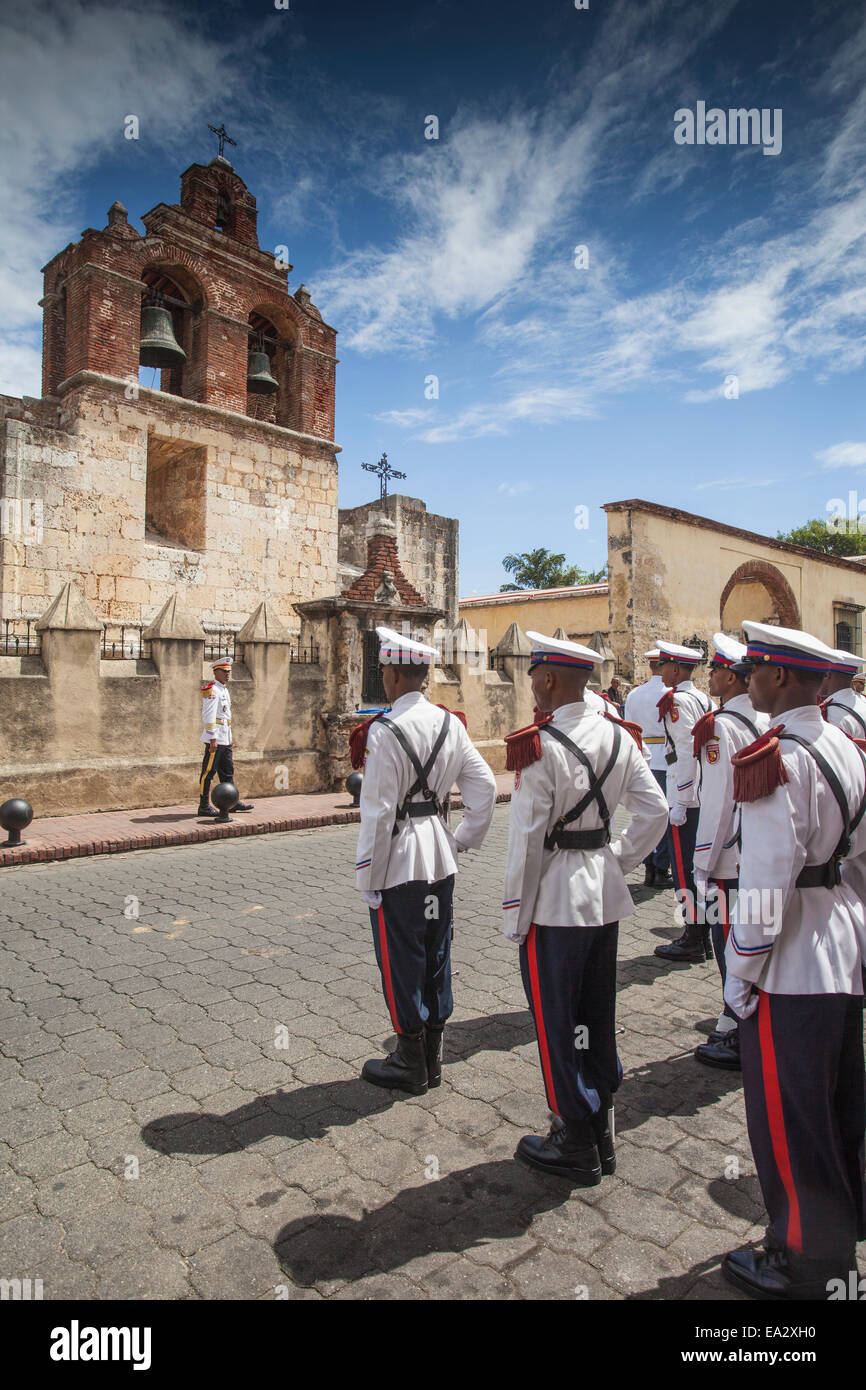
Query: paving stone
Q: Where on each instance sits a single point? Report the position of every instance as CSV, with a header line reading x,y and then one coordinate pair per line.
x,y
238,1266
100,1235
145,1273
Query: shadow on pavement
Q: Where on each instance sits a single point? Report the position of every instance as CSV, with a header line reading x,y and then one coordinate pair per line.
x,y
307,1112
487,1202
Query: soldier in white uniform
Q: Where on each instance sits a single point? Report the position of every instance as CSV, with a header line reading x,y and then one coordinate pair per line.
x,y
407,856
680,708
565,892
641,707
216,735
717,737
795,979
840,703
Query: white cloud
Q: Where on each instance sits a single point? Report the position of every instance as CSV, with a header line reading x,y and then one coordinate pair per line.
x,y
69,78
847,455
514,489
727,484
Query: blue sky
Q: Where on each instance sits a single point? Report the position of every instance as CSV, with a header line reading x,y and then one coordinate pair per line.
x,y
559,387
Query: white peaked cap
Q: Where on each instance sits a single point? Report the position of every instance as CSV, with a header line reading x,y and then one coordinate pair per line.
x,y
554,651
672,651
728,651
398,650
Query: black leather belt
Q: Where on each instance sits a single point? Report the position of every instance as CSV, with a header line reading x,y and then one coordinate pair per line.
x,y
820,875
422,808
577,839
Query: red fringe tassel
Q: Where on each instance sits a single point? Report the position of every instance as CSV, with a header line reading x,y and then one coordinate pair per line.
x,y
759,769
704,730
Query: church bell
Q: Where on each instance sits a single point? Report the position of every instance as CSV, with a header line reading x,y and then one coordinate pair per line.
x,y
259,379
159,347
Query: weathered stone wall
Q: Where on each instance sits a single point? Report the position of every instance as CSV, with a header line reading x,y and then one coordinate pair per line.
x,y
80,734
428,547
254,507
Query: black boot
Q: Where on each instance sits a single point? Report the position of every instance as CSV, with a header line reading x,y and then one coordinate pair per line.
x,y
206,809
693,946
649,876
404,1069
775,1273
433,1035
568,1151
602,1128
721,1050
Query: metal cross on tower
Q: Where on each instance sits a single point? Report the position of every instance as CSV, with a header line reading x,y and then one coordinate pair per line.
x,y
384,471
223,137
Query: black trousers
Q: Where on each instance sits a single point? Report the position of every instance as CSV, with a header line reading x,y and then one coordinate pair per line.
x,y
720,925
803,1077
569,974
659,858
412,939
681,848
218,763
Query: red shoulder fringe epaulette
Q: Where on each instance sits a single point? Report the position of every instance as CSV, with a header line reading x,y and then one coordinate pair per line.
x,y
540,716
758,768
822,705
358,740
634,729
523,747
458,714
206,687
665,704
704,730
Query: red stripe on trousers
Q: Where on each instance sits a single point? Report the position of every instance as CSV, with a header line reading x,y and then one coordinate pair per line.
x,y
539,1020
386,968
678,856
723,898
776,1118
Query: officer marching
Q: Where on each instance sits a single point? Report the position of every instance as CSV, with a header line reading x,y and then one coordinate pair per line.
x,y
840,703
565,892
794,973
680,708
717,737
407,856
641,707
216,735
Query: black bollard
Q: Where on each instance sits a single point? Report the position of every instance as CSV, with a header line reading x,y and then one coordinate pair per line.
x,y
15,816
224,796
353,787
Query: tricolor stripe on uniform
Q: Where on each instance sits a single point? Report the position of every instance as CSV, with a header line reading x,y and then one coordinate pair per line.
x,y
515,902
776,1121
544,1050
749,950
364,862
386,968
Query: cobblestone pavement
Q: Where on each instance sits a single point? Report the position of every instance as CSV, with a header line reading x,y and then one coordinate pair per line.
x,y
212,1045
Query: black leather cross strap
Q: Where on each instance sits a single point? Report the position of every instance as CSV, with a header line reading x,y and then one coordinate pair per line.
x,y
837,704
829,874
559,837
431,805
671,755
735,714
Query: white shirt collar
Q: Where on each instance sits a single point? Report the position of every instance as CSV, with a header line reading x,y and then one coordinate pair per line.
x,y
412,697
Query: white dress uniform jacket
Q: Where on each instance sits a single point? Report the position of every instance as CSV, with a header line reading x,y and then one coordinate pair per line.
x,y
423,849
683,780
717,823
216,715
837,710
641,707
818,940
574,887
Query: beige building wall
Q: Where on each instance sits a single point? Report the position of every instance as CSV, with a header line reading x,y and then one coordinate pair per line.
x,y
578,611
673,575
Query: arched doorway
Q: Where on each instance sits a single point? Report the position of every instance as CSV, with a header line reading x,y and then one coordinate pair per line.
x,y
758,591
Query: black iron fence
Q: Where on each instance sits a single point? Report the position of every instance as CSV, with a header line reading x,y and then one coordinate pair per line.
x,y
308,655
219,642
19,637
124,642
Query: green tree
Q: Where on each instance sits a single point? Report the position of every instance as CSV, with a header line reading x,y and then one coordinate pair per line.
x,y
832,536
539,569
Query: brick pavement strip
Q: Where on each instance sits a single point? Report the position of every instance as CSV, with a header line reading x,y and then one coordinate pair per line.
x,y
182,1117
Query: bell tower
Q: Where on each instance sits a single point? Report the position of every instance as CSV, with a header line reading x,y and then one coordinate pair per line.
x,y
197,298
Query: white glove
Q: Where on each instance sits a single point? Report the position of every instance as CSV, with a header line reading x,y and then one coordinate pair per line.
x,y
701,882
738,994
678,814
514,935
373,900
